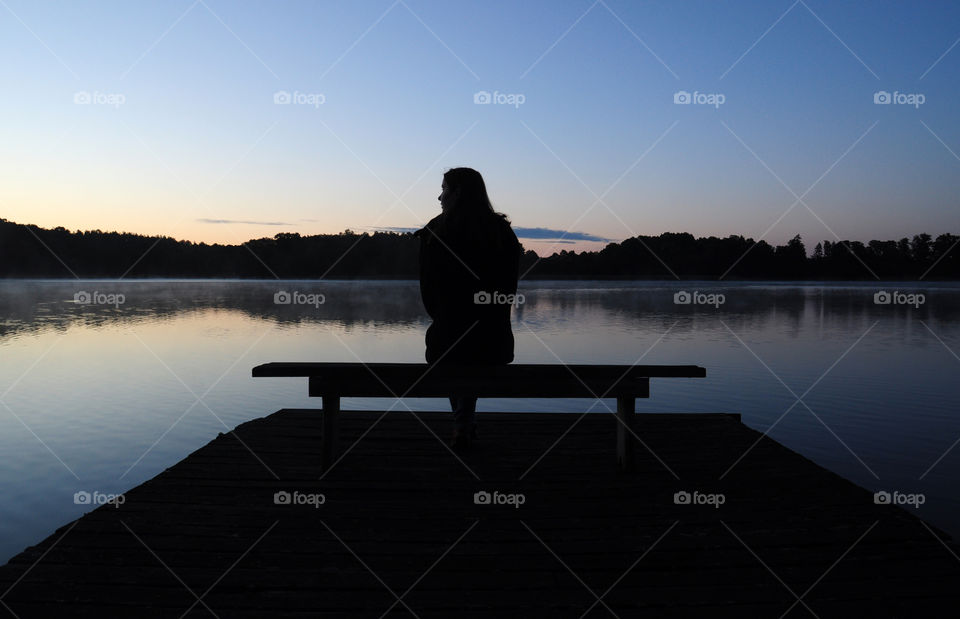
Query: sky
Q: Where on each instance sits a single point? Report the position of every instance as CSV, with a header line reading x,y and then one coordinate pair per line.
x,y
591,121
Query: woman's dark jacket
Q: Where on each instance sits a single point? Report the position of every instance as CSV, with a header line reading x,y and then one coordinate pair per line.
x,y
459,261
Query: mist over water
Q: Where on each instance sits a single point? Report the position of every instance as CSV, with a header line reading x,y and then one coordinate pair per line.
x,y
103,384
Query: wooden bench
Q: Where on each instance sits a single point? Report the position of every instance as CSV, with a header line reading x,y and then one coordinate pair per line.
x,y
332,381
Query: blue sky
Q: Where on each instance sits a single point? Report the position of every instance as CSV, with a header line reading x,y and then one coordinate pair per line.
x,y
582,133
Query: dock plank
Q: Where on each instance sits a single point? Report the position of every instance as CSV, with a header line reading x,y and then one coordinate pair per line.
x,y
399,520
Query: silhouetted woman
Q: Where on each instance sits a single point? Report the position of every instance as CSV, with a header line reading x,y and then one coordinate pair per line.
x,y
469,264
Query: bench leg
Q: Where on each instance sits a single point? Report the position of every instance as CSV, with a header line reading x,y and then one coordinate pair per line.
x,y
328,449
625,428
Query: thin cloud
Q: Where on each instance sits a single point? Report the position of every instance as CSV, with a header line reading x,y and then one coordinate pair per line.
x,y
205,220
550,234
533,234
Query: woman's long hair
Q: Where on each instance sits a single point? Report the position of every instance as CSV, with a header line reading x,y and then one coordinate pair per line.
x,y
472,216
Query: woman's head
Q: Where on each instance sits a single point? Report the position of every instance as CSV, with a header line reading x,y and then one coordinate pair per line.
x,y
464,192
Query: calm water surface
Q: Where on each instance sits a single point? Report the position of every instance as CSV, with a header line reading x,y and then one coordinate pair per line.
x,y
103,396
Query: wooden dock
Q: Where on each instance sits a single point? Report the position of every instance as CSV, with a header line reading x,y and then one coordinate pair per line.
x,y
399,531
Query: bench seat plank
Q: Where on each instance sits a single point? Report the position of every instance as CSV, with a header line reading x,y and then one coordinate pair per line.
x,y
517,371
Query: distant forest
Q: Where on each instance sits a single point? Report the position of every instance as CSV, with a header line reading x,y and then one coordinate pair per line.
x,y
30,251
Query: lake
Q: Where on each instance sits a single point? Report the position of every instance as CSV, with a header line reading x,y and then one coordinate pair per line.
x,y
104,384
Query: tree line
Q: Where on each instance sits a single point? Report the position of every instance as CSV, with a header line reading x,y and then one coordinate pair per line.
x,y
31,251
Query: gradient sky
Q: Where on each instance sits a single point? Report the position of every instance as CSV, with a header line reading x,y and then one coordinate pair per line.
x,y
182,136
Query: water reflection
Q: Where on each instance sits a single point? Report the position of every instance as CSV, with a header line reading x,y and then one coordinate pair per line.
x,y
104,396
34,306
39,305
